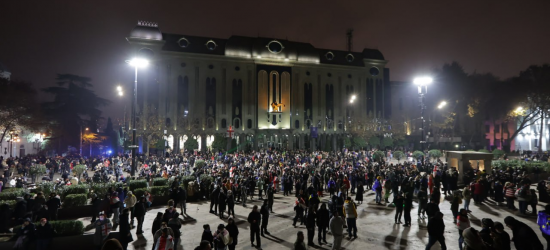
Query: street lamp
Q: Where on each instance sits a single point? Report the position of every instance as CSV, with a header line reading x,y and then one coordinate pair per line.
x,y
422,84
442,104
81,141
136,63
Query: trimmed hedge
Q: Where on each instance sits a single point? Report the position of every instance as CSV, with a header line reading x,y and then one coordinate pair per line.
x,y
206,179
186,179
12,193
10,203
63,227
45,187
75,200
140,191
160,182
101,188
74,189
133,185
516,163
159,191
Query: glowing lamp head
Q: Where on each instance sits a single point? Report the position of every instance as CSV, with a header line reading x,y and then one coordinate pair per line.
x,y
120,93
423,81
118,88
139,62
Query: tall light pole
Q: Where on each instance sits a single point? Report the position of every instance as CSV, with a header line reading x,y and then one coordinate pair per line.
x,y
136,63
81,138
422,84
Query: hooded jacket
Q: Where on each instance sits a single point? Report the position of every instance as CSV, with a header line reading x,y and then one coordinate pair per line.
x,y
349,209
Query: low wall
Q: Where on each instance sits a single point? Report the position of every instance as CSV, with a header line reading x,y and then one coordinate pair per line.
x,y
82,242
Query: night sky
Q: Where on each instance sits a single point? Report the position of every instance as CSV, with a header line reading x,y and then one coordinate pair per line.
x,y
42,38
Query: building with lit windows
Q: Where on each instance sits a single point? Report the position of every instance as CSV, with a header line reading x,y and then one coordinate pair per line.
x,y
270,91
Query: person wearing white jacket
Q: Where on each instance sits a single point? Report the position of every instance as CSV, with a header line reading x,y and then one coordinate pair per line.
x,y
336,226
221,238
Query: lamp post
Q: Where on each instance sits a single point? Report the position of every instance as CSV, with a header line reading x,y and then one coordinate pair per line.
x,y
136,63
422,84
81,138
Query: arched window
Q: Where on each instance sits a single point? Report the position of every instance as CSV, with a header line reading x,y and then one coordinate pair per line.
x,y
296,124
237,123
249,123
224,123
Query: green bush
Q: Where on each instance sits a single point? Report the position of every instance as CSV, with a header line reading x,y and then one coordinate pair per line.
x,y
45,187
378,156
497,153
74,189
159,191
160,182
75,200
79,169
10,203
135,184
435,154
200,163
12,193
398,155
418,154
206,180
140,191
64,227
519,164
186,179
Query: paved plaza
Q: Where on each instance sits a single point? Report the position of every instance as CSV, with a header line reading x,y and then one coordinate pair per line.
x,y
376,228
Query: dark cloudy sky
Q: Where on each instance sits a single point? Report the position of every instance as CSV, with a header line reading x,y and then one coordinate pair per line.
x,y
41,38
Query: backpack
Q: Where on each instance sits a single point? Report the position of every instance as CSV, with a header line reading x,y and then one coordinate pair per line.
x,y
544,222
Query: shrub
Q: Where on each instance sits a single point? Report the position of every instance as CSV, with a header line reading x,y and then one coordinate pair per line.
x,y
64,227
159,191
79,169
199,164
435,154
398,155
186,179
160,182
418,154
75,200
140,191
100,189
45,187
378,156
10,203
74,189
135,184
206,180
12,193
497,153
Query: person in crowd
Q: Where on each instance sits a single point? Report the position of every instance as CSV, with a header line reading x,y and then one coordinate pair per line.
x,y
360,192
472,240
300,244
222,202
254,218
5,218
130,202
54,203
157,222
501,239
422,203
103,228
350,213
233,230
436,230
230,204
25,234
398,202
44,234
467,197
336,226
486,229
509,193
463,222
112,244
140,210
523,236
175,225
125,236
169,213
311,217
207,235
264,210
543,221
221,238
323,220
164,242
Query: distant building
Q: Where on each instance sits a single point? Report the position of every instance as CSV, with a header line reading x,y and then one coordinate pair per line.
x,y
271,91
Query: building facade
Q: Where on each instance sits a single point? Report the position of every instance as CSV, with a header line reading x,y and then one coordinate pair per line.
x,y
271,92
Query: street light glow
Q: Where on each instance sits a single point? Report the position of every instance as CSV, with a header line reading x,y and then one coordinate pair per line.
x,y
139,62
423,81
519,109
353,97
442,104
86,129
118,88
120,93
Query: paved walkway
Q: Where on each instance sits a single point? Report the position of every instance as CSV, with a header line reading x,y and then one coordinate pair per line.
x,y
376,229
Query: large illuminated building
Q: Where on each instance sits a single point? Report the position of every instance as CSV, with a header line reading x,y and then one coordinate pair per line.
x,y
270,91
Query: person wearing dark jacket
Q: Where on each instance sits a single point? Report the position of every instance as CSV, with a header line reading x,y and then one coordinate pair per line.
x,y
436,229
398,202
44,235
169,213
431,209
156,223
265,218
25,234
523,236
310,225
323,220
207,235
54,203
140,212
175,225
20,210
214,200
182,200
230,204
222,200
124,236
233,233
96,206
486,229
5,218
270,198
254,218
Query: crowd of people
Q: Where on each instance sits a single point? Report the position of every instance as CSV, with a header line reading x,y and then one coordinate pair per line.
x,y
323,184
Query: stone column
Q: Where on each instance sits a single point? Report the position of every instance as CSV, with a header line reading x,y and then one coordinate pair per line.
x,y
312,144
203,143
